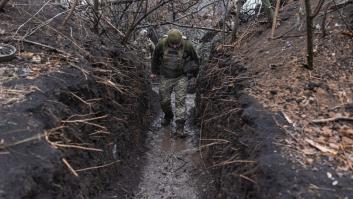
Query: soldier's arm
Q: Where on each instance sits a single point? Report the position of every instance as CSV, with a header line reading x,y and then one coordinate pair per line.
x,y
157,58
192,58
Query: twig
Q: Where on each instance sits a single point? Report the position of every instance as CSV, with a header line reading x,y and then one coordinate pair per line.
x,y
44,23
85,120
115,28
196,11
70,13
183,26
231,162
44,46
211,144
28,20
35,137
84,72
332,119
86,53
137,22
69,167
340,14
80,99
75,147
98,167
247,178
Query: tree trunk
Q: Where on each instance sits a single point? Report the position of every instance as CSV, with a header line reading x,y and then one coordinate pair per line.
x,y
309,34
238,4
309,30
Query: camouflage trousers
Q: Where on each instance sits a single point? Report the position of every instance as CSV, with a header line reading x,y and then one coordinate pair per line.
x,y
179,85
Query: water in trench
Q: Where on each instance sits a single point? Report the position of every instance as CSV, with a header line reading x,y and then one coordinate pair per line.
x,y
173,167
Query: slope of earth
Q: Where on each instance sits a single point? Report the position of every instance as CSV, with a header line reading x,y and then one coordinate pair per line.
x,y
277,129
73,111
305,97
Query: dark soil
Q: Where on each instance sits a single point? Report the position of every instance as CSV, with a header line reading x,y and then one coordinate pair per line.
x,y
38,166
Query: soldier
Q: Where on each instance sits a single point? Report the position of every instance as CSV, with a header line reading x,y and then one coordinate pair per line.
x,y
145,43
176,61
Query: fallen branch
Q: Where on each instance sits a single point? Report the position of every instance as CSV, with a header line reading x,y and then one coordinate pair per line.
x,y
332,119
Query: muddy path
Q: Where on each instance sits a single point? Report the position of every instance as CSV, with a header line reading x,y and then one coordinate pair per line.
x,y
173,167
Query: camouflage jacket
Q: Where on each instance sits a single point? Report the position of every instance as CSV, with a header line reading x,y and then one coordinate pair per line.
x,y
190,62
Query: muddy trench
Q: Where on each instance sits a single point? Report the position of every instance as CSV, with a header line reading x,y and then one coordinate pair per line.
x,y
79,138
173,167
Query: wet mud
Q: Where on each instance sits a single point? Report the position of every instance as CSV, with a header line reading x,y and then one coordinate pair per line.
x,y
173,167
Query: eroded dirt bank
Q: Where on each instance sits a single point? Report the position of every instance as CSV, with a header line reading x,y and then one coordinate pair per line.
x,y
246,153
258,106
74,107
69,119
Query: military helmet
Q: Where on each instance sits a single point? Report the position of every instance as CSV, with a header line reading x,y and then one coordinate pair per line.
x,y
174,36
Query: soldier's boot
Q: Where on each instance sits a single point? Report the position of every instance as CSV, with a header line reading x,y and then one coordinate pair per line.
x,y
179,131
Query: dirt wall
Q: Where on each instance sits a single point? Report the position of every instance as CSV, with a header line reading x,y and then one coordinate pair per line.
x,y
92,122
243,141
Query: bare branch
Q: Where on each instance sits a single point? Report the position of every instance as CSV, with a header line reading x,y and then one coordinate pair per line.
x,y
70,13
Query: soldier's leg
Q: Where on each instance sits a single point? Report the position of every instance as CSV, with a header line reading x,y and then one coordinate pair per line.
x,y
180,105
165,91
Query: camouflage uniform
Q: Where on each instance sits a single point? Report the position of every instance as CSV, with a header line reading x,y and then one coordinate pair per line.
x,y
174,65
146,46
